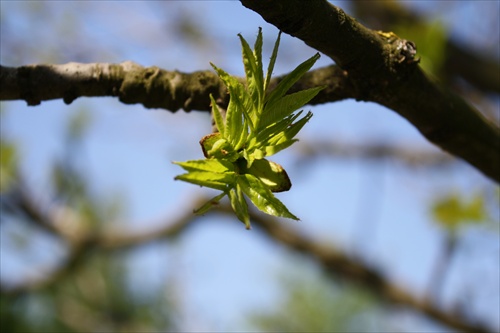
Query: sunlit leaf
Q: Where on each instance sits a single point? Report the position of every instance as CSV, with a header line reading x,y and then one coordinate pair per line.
x,y
262,197
255,126
272,150
453,211
209,204
290,132
290,79
272,61
239,205
264,137
8,165
271,174
212,165
219,121
218,181
253,71
282,107
258,59
236,107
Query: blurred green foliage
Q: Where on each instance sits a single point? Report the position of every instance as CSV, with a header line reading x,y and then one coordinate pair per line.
x,y
312,303
453,211
96,297
8,165
78,124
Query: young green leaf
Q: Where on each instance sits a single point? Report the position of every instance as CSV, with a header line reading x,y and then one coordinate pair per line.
x,y
219,121
280,108
271,174
281,135
291,78
290,132
262,197
218,181
272,150
258,55
253,73
239,205
212,165
256,124
259,74
209,204
264,136
272,61
236,107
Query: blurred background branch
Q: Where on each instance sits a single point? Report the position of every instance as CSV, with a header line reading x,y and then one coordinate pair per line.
x,y
352,270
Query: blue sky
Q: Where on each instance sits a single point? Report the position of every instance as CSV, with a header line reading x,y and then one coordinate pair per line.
x,y
128,151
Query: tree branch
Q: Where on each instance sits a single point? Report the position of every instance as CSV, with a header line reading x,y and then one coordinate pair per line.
x,y
150,86
383,68
82,242
408,156
130,82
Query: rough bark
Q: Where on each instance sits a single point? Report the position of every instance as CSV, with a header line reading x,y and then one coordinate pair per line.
x,y
130,82
152,87
384,69
472,65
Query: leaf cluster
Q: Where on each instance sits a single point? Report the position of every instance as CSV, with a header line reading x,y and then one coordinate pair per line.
x,y
258,123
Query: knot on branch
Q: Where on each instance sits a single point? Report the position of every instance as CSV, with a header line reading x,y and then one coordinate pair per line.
x,y
401,52
406,51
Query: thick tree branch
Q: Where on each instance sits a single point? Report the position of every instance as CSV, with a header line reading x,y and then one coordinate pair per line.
x,y
150,86
384,69
130,82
